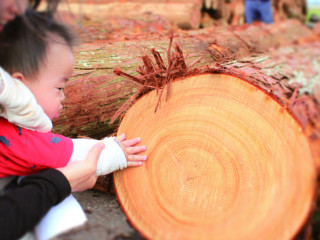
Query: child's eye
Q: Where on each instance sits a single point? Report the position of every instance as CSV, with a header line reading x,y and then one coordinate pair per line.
x,y
61,89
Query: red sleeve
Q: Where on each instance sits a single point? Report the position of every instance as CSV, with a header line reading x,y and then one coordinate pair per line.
x,y
24,152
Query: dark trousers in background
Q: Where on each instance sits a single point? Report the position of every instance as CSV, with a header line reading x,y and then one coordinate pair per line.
x,y
258,10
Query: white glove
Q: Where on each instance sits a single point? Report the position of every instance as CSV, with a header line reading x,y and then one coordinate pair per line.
x,y
19,106
111,158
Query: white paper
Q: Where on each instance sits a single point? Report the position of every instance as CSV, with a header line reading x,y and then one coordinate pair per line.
x,y
61,218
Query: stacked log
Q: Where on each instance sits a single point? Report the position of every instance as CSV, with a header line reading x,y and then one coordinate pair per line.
x,y
183,14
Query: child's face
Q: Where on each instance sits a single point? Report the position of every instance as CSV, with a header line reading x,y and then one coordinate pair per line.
x,y
54,72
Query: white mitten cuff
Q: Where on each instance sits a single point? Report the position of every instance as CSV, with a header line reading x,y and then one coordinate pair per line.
x,y
111,158
20,107
1,85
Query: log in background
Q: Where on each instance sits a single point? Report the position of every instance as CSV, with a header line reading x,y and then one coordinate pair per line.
x,y
282,59
95,92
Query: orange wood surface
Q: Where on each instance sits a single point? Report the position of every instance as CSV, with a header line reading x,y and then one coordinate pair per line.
x,y
225,161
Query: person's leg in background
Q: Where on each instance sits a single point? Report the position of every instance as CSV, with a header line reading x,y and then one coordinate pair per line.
x,y
251,11
265,9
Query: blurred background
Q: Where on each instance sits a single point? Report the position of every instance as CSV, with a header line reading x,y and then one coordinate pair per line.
x,y
190,14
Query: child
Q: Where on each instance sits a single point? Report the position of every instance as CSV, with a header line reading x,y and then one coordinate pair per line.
x,y
43,61
21,109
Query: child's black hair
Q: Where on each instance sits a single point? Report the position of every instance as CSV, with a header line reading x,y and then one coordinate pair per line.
x,y
24,41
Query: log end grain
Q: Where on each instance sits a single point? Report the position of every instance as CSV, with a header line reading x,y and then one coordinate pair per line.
x,y
224,161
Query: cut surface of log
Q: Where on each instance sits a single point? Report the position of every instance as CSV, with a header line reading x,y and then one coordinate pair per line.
x,y
225,161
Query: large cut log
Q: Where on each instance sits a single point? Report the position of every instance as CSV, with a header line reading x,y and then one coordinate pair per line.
x,y
95,93
225,161
231,153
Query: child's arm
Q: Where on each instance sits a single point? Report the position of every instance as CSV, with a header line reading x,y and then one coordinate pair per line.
x,y
19,106
118,153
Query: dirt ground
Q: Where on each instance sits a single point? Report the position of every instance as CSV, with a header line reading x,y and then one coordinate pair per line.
x,y
105,219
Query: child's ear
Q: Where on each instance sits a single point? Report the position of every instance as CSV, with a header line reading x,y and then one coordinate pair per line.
x,y
19,76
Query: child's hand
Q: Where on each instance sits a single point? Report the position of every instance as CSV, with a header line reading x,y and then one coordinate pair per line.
x,y
131,151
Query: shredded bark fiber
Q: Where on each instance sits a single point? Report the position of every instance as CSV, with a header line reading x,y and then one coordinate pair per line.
x,y
157,75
